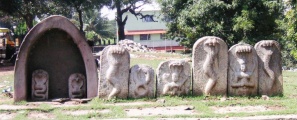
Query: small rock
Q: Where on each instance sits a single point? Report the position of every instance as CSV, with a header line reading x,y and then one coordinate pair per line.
x,y
160,101
61,100
265,97
81,100
190,108
223,99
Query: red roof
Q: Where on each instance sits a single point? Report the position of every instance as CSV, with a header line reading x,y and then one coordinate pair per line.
x,y
138,32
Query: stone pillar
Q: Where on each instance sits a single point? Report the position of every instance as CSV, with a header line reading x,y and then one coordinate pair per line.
x,y
141,82
173,78
210,61
270,71
114,72
243,70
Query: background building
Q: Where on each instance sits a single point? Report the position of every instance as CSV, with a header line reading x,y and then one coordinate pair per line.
x,y
150,30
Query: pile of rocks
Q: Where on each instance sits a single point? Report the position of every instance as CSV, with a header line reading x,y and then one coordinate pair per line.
x,y
132,46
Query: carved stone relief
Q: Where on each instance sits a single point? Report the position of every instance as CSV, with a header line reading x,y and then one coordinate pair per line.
x,y
141,83
40,85
270,72
243,70
210,66
173,78
114,72
77,85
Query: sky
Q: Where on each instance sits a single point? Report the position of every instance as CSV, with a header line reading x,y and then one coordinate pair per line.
x,y
110,14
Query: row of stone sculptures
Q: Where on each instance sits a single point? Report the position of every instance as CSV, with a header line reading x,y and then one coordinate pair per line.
x,y
244,70
40,85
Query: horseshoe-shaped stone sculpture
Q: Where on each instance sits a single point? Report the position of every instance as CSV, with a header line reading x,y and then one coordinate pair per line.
x,y
114,72
270,73
210,72
141,83
40,85
173,78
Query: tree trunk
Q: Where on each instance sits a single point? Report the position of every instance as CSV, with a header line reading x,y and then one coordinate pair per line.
x,y
80,20
29,21
120,23
121,30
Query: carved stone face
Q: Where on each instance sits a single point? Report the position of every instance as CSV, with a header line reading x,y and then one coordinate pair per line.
x,y
144,74
242,53
77,83
176,69
40,79
211,46
242,64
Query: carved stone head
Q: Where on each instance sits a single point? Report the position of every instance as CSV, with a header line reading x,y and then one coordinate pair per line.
x,y
77,85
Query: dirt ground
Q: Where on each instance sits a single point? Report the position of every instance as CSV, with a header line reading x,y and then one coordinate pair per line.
x,y
6,70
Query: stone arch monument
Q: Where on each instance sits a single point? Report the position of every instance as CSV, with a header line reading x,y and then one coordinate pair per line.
x,y
57,48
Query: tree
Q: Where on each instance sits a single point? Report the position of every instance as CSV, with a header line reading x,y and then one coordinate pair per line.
x,y
27,9
232,20
290,27
97,25
123,6
82,5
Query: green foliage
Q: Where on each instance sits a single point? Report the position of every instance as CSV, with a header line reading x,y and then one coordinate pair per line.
x,y
97,26
26,10
291,30
233,21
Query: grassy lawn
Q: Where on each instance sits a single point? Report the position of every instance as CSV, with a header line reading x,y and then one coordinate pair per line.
x,y
203,107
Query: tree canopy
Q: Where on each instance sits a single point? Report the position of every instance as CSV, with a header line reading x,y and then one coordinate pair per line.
x,y
232,20
290,25
123,6
81,6
27,9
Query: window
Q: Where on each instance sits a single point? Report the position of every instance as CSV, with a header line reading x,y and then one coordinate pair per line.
x,y
130,37
145,37
162,36
148,18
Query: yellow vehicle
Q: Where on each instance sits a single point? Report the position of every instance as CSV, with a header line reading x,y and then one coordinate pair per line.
x,y
7,46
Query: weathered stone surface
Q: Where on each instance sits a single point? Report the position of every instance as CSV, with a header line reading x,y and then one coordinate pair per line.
x,y
40,85
77,85
173,78
243,70
210,63
58,47
141,82
270,71
114,72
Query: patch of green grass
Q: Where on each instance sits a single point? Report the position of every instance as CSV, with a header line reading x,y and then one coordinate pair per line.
x,y
23,102
116,112
45,107
21,115
154,59
7,80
